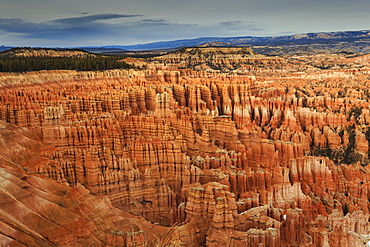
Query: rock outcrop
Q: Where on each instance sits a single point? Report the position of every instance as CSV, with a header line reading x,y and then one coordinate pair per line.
x,y
219,58
276,155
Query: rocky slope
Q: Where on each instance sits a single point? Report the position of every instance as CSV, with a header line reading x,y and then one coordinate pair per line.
x,y
268,154
36,211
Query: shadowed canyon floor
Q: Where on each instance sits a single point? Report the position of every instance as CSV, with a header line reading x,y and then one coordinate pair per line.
x,y
203,147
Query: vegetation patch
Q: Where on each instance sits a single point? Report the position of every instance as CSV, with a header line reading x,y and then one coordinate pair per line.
x,y
24,60
344,155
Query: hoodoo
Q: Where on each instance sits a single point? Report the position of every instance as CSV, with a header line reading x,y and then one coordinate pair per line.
x,y
206,146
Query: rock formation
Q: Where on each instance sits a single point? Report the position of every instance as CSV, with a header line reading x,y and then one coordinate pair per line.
x,y
273,153
219,58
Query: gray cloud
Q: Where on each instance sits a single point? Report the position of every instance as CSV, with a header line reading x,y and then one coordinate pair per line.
x,y
84,24
154,22
256,29
90,18
230,23
92,30
17,25
74,26
89,28
237,25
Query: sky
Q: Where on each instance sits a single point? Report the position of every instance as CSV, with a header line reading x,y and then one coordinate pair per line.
x,y
76,23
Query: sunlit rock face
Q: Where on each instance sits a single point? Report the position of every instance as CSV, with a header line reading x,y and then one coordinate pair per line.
x,y
272,153
219,59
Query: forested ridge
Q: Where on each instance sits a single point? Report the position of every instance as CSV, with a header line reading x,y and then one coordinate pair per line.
x,y
10,61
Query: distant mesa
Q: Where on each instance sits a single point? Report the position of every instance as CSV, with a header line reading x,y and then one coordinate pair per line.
x,y
313,43
221,58
4,48
215,44
357,41
216,50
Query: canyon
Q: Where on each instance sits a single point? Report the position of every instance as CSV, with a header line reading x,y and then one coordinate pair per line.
x,y
205,146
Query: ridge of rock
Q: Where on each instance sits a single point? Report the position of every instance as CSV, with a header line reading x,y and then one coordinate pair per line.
x,y
275,155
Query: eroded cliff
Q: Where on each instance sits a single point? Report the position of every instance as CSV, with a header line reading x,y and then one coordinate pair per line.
x,y
273,155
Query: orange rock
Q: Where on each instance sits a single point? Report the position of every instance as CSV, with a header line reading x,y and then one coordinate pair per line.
x,y
192,149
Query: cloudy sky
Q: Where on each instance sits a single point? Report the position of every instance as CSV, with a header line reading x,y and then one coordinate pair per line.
x,y
67,23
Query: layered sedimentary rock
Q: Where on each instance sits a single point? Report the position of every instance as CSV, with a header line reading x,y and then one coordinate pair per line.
x,y
218,58
35,211
276,155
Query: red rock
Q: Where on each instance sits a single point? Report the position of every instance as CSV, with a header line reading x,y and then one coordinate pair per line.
x,y
190,149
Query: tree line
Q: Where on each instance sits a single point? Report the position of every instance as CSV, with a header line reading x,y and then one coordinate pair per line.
x,y
85,63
